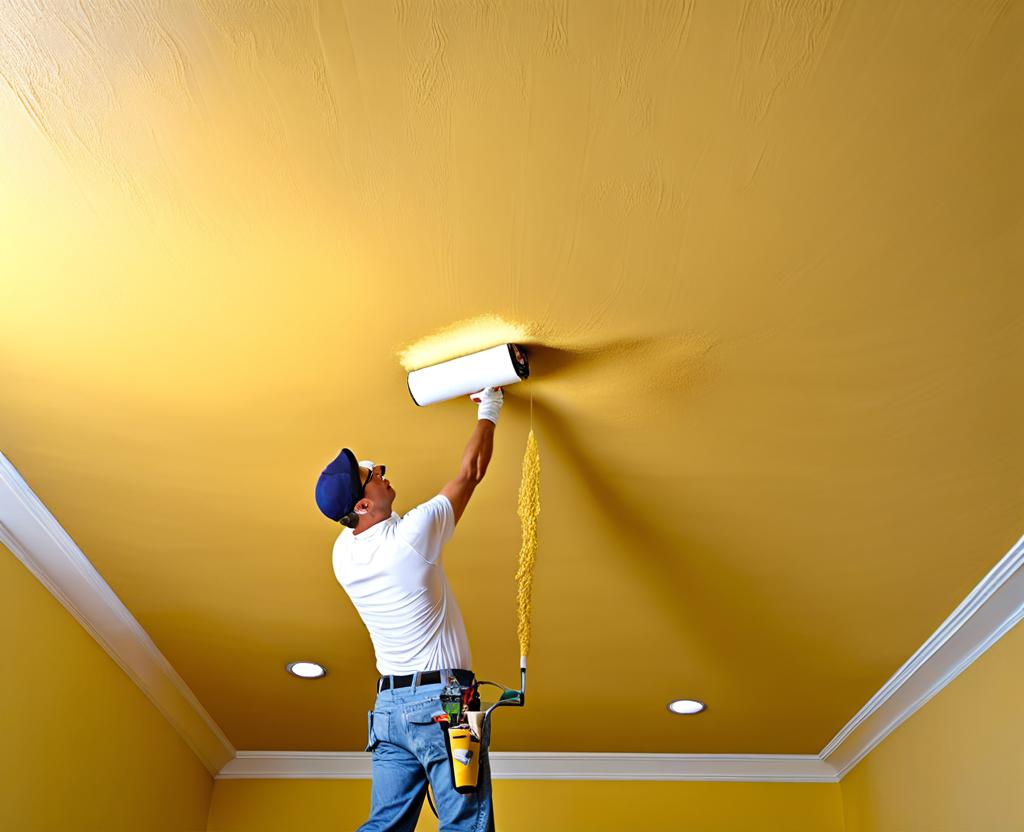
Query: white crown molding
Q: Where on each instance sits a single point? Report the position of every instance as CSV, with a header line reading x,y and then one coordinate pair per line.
x,y
36,538
992,608
510,765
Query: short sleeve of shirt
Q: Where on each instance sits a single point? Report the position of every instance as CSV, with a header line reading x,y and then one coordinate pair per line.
x,y
428,527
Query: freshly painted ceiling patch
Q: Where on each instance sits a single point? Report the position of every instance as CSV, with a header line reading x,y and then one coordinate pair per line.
x,y
307,670
686,706
462,338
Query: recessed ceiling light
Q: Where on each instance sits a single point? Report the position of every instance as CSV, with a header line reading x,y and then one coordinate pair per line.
x,y
307,670
686,706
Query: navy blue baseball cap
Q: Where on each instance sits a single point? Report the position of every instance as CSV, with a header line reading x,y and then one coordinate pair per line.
x,y
340,487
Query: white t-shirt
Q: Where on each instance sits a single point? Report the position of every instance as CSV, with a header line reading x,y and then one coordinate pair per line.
x,y
394,576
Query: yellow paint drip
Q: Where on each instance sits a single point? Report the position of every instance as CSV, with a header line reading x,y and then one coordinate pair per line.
x,y
529,509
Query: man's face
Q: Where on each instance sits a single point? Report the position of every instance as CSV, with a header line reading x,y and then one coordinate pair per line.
x,y
378,489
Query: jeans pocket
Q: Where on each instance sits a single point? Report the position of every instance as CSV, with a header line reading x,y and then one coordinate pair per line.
x,y
425,733
424,715
376,728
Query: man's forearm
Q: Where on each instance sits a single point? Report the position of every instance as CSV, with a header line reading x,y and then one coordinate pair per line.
x,y
477,455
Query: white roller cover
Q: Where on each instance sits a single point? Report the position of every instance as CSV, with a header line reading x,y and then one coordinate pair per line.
x,y
462,376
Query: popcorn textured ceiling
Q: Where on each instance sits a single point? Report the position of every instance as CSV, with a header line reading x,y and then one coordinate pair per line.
x,y
768,256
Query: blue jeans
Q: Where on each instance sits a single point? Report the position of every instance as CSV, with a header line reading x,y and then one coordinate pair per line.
x,y
408,750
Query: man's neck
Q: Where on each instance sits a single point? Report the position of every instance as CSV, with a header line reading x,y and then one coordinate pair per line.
x,y
368,522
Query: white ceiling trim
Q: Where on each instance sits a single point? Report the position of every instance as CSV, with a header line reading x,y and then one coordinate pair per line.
x,y
36,538
992,608
511,765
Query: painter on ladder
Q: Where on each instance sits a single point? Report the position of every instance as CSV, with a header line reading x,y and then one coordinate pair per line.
x,y
392,569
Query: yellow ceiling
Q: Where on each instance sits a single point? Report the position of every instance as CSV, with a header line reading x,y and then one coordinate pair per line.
x,y
769,256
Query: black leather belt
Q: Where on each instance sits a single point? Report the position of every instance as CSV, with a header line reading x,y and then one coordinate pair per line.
x,y
430,677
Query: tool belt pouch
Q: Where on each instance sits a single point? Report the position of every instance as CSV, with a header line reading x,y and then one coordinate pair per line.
x,y
463,756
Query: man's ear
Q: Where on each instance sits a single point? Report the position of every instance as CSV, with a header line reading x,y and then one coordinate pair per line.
x,y
363,507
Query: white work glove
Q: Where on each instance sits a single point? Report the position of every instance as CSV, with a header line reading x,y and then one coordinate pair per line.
x,y
490,400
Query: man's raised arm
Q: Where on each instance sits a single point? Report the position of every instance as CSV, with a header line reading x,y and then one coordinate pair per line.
x,y
477,455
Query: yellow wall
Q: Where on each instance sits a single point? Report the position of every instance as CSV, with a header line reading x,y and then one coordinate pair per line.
x,y
958,763
523,806
83,748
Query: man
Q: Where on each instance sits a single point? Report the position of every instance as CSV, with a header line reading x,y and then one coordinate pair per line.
x,y
391,568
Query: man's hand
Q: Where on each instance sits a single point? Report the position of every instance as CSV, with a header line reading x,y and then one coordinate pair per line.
x,y
477,455
490,400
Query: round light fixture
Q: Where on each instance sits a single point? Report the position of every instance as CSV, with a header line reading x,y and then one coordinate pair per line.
x,y
686,706
307,670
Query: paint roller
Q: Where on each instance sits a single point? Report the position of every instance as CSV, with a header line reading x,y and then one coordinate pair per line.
x,y
498,366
